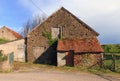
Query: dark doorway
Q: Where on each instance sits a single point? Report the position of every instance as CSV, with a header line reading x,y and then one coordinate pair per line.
x,y
70,58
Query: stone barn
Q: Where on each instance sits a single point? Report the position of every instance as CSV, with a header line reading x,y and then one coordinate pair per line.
x,y
63,39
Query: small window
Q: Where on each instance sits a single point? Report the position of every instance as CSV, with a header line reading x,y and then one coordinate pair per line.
x,y
56,33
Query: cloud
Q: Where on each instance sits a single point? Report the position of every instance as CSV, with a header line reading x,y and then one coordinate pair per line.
x,y
91,7
40,6
101,15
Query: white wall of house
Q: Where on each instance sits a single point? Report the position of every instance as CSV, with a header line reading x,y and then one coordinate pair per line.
x,y
18,47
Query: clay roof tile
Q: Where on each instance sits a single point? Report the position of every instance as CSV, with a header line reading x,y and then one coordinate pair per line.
x,y
17,35
80,45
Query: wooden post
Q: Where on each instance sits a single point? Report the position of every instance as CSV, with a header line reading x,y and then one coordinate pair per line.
x,y
114,65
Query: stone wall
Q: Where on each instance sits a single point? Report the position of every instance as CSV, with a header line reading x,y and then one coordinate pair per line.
x,y
49,56
71,28
82,59
5,66
18,47
88,59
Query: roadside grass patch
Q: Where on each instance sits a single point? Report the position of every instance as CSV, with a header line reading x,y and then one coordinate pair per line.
x,y
26,67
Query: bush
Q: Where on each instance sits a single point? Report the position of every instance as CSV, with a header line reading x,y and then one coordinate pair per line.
x,y
2,56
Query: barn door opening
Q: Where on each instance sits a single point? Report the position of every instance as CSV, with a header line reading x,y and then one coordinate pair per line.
x,y
37,51
21,53
70,58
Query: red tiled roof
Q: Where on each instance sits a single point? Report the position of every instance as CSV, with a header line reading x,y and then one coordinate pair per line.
x,y
18,36
80,45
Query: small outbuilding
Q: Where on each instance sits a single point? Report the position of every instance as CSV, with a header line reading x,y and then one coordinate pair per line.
x,y
79,52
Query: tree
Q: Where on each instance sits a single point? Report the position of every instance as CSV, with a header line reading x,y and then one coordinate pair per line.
x,y
31,23
111,48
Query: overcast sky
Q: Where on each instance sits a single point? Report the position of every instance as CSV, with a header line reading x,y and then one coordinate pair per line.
x,y
101,15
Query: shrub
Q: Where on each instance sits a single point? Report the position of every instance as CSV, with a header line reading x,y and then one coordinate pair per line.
x,y
2,56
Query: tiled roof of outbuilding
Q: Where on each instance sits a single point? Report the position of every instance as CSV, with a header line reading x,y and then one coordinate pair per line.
x,y
17,35
80,45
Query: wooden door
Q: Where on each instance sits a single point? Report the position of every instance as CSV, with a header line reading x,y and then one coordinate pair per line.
x,y
70,58
21,53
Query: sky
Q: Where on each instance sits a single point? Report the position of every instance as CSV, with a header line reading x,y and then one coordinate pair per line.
x,y
102,15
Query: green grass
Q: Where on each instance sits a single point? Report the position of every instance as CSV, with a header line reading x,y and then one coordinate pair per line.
x,y
26,66
3,40
118,66
108,62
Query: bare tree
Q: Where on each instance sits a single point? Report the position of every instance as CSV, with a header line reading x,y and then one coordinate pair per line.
x,y
31,23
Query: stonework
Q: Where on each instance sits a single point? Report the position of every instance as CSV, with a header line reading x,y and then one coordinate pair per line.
x,y
89,59
70,28
17,47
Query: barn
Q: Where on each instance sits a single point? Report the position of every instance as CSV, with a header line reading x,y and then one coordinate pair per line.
x,y
63,39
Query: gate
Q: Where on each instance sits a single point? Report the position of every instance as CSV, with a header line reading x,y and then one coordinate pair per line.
x,y
112,61
21,53
11,58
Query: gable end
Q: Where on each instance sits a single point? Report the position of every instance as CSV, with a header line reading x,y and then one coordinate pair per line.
x,y
80,21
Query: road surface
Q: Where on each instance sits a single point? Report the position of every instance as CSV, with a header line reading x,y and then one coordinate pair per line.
x,y
52,76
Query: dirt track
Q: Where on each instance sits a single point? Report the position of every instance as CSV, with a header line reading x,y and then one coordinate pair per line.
x,y
51,76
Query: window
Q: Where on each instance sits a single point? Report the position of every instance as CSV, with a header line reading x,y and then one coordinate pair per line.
x,y
56,33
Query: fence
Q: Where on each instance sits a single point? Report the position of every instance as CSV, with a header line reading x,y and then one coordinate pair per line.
x,y
112,61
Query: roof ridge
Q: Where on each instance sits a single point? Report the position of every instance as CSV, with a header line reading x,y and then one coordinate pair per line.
x,y
79,20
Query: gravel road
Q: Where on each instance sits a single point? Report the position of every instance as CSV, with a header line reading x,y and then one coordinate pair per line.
x,y
51,76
